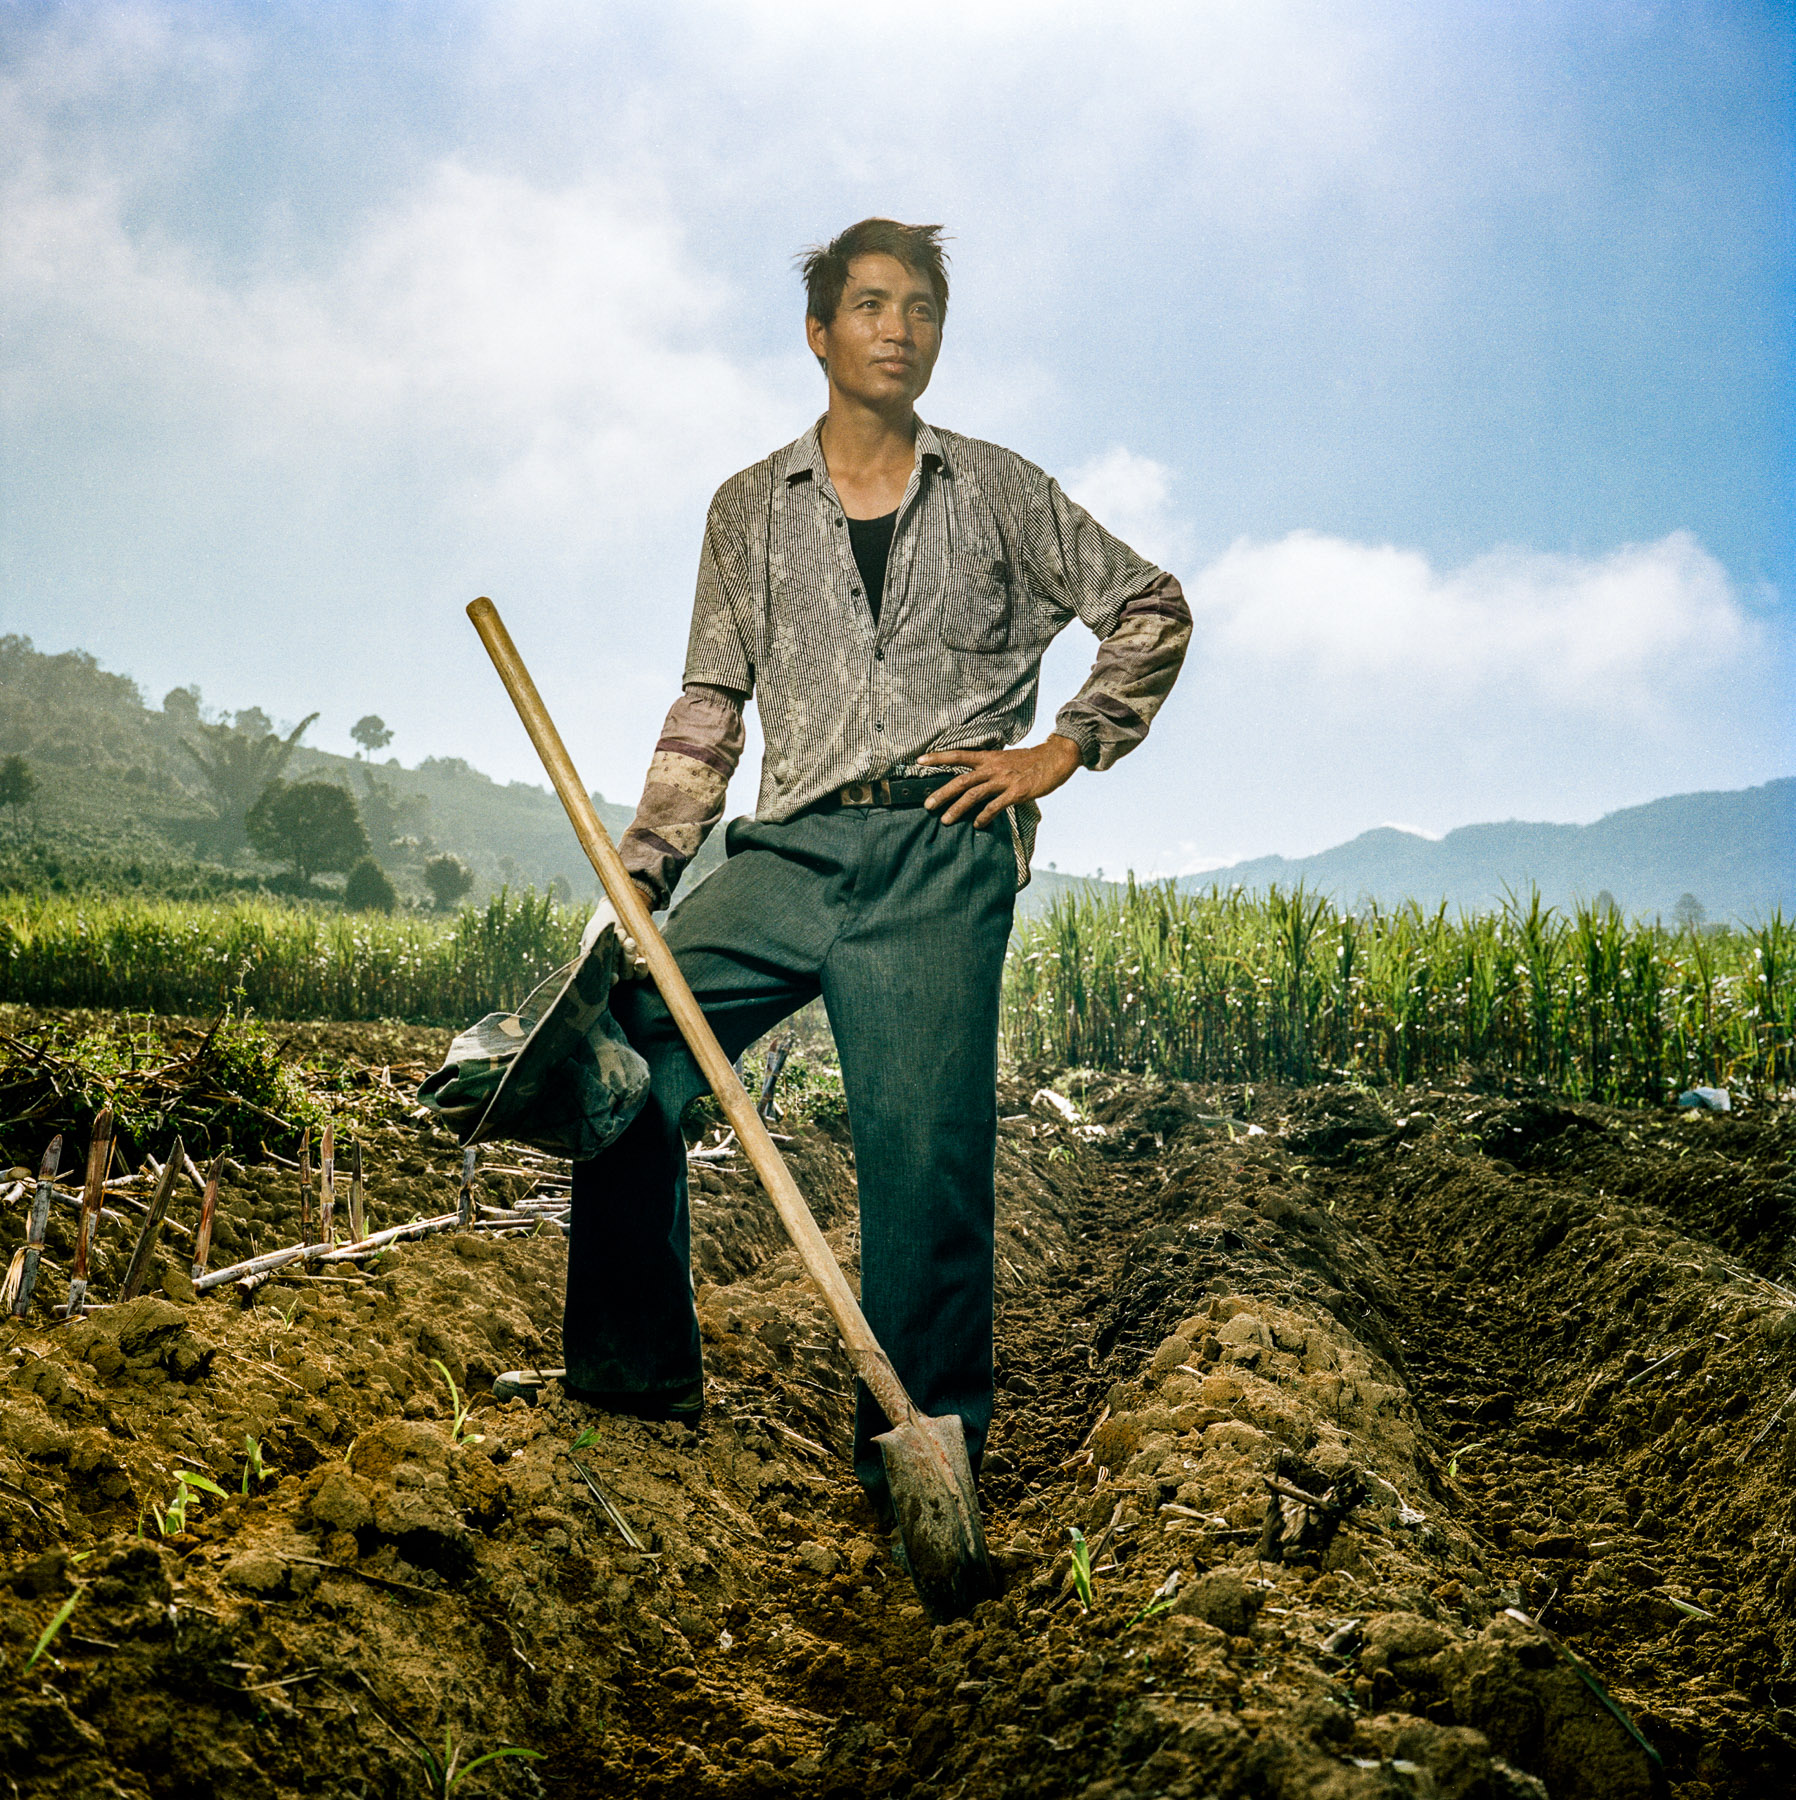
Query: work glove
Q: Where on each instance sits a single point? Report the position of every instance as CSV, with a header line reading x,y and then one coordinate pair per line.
x,y
630,964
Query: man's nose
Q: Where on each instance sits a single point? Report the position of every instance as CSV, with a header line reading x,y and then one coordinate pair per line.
x,y
896,325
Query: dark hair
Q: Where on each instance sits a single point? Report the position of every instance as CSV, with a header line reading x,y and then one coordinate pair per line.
x,y
825,266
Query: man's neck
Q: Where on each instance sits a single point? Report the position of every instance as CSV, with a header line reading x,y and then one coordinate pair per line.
x,y
869,455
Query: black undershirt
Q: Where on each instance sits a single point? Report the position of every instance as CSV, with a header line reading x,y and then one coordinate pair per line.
x,y
871,541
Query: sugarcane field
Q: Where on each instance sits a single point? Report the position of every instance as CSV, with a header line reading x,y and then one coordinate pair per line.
x,y
1351,1439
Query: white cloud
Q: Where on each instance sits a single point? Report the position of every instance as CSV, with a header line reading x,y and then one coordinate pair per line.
x,y
1633,630
1333,684
552,344
1131,497
1249,114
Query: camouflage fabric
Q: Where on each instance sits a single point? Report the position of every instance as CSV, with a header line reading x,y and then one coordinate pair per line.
x,y
558,1073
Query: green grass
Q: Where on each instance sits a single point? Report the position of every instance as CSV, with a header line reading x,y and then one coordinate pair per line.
x,y
289,961
1081,1568
1231,987
58,1620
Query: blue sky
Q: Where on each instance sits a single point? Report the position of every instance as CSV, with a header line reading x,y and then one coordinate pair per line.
x,y
1442,350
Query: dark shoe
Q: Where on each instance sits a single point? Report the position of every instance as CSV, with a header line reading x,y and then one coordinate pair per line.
x,y
524,1384
681,1405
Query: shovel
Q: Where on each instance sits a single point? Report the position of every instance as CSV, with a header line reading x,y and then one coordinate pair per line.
x,y
926,1465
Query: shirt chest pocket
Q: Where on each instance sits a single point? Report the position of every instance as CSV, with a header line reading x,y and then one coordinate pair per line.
x,y
982,601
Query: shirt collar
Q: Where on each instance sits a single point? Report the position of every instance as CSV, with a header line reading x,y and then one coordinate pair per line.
x,y
929,448
805,456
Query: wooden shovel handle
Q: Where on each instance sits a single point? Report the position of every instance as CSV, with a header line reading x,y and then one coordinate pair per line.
x,y
871,1363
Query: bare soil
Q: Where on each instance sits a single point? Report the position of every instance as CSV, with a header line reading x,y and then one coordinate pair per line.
x,y
1540,1359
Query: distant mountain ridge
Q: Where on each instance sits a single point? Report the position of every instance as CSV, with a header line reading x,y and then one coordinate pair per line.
x,y
1735,851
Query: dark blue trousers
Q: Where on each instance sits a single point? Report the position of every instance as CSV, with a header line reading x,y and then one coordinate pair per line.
x,y
901,923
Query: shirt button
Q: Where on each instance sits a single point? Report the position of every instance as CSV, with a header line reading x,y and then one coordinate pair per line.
x,y
838,521
856,592
879,728
879,656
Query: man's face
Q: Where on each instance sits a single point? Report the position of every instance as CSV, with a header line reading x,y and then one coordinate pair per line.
x,y
882,344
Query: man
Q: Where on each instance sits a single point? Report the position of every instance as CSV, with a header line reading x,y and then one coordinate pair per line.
x,y
884,591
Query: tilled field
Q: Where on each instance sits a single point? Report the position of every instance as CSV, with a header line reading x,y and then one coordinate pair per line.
x,y
1507,1364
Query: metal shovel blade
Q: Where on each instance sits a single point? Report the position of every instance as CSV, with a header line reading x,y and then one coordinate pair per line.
x,y
931,1483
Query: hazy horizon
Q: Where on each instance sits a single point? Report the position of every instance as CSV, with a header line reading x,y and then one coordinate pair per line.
x,y
383,758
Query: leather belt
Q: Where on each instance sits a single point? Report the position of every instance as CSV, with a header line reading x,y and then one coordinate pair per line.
x,y
893,790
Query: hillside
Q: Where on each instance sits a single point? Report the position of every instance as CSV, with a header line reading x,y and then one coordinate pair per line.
x,y
1736,852
120,801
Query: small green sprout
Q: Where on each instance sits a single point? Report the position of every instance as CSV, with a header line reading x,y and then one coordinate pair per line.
x,y
55,1625
1453,1463
253,1464
443,1775
1159,1601
458,1407
1081,1568
187,1484
587,1436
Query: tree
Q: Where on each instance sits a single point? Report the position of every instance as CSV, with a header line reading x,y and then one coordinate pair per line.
x,y
368,889
395,821
311,824
18,786
1689,914
239,768
181,706
448,879
371,733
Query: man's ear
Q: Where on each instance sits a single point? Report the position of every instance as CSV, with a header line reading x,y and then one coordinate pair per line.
x,y
816,334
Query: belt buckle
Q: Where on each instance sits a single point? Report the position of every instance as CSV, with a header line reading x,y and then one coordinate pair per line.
x,y
857,793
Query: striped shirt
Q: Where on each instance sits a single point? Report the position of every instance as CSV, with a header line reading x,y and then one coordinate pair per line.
x,y
989,561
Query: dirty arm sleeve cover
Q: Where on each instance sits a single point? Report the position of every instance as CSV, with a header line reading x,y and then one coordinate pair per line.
x,y
1136,665
682,798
